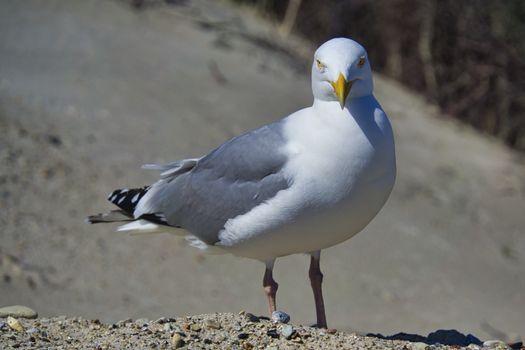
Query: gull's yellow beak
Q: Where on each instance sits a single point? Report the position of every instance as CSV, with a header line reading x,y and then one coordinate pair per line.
x,y
341,89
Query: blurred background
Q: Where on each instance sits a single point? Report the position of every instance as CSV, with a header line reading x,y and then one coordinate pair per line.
x,y
90,90
464,56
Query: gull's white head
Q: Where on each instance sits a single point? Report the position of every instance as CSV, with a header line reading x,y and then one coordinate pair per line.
x,y
341,71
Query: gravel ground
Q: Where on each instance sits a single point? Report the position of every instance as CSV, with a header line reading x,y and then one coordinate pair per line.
x,y
213,331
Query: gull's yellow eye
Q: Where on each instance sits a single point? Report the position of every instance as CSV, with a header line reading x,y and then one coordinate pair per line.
x,y
361,61
320,65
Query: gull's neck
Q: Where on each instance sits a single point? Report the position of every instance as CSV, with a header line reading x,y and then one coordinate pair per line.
x,y
334,108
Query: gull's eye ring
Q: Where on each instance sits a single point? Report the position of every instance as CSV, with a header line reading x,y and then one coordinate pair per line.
x,y
320,65
361,61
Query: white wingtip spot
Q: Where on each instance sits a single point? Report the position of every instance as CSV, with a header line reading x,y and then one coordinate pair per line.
x,y
161,217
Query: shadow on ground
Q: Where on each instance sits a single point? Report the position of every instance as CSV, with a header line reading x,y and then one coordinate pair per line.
x,y
450,337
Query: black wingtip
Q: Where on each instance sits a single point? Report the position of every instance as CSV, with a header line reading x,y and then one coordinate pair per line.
x,y
127,199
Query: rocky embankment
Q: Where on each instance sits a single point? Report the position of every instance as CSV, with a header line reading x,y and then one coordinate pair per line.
x,y
21,328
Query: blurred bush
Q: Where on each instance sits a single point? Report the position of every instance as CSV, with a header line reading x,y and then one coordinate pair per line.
x,y
466,56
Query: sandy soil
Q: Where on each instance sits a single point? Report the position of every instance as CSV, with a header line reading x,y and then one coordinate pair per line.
x,y
90,90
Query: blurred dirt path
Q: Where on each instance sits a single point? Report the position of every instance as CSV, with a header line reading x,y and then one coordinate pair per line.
x,y
90,90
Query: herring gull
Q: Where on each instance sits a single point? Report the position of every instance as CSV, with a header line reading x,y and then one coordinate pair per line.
x,y
301,184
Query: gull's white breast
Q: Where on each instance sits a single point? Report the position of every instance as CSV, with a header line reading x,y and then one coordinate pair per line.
x,y
341,168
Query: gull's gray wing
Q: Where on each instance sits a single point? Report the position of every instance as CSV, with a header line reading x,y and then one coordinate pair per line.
x,y
230,181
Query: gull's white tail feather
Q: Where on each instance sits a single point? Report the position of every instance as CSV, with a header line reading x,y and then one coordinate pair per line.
x,y
142,227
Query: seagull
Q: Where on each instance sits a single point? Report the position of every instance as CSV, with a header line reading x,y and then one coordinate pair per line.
x,y
299,185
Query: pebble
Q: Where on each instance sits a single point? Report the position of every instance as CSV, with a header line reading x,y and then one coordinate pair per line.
x,y
280,317
2,325
287,331
122,323
251,317
498,344
176,341
243,335
162,320
142,322
211,324
32,330
419,346
247,346
297,340
18,311
195,327
14,324
167,327
272,332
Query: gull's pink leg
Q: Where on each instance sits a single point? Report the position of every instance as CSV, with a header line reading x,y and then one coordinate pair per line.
x,y
316,280
270,286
